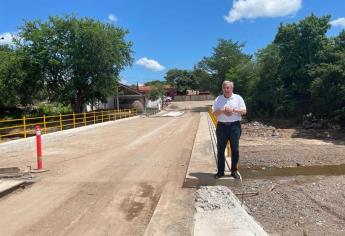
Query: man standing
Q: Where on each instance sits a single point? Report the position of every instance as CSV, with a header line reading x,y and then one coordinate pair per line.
x,y
228,108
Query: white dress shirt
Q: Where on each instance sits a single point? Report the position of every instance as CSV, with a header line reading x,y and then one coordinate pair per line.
x,y
235,101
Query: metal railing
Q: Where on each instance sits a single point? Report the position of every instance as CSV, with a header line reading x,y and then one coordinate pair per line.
x,y
151,111
215,121
25,127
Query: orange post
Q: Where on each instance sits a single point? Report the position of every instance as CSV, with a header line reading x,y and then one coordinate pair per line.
x,y
39,147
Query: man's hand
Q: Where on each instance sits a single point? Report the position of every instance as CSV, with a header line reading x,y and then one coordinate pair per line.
x,y
228,110
240,111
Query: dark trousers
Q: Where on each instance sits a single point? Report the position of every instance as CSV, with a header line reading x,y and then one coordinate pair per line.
x,y
224,133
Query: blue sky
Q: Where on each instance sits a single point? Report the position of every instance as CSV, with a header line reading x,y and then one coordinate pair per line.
x,y
177,33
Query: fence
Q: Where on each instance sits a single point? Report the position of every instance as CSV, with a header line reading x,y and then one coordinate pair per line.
x,y
214,122
25,127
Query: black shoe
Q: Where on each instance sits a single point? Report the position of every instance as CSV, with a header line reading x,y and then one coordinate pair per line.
x,y
218,175
236,174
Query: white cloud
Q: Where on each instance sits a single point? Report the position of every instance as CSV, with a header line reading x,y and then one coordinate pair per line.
x,y
6,38
112,18
338,22
123,81
251,9
150,64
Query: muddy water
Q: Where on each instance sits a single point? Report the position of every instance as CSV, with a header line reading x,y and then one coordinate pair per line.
x,y
258,172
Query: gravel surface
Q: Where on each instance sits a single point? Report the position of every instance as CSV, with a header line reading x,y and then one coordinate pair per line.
x,y
305,203
210,198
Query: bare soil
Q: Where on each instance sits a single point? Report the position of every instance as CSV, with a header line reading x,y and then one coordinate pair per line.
x,y
299,176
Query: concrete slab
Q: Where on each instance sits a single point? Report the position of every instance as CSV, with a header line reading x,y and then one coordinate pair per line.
x,y
202,165
6,185
10,172
219,212
36,171
173,214
7,170
173,114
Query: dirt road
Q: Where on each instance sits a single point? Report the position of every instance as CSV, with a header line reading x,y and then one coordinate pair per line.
x,y
106,181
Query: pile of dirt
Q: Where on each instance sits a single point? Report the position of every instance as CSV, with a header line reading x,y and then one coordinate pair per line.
x,y
210,198
258,129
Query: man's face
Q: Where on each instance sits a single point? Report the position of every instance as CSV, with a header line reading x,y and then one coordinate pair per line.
x,y
227,89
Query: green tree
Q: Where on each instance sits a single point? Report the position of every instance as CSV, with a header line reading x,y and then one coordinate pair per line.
x,y
301,46
11,77
157,91
267,95
182,80
203,80
226,56
79,59
244,76
328,87
155,82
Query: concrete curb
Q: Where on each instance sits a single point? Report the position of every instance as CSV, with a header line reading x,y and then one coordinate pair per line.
x,y
202,166
22,143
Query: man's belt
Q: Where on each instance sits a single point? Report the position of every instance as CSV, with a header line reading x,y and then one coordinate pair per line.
x,y
229,123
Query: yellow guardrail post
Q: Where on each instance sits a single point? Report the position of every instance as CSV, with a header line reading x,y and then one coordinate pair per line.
x,y
24,127
214,120
102,115
108,115
228,149
73,120
84,119
44,124
114,114
94,117
60,121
